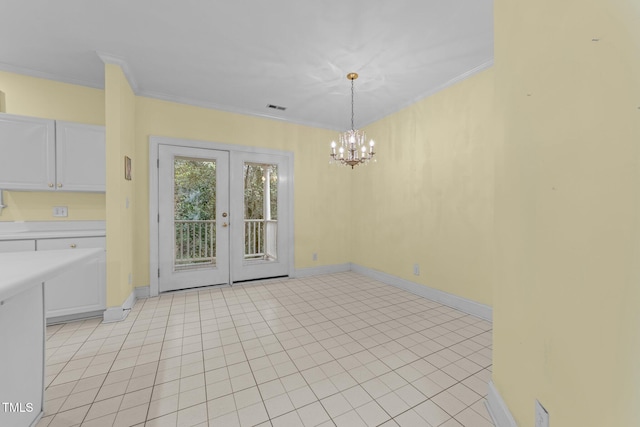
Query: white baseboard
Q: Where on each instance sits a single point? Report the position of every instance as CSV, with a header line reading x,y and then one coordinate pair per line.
x,y
73,317
116,314
142,292
498,408
325,269
41,414
463,304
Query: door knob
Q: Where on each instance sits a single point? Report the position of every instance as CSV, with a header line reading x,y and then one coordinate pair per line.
x,y
224,224
224,214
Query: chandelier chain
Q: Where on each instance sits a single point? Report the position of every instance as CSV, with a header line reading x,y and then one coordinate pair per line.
x,y
352,92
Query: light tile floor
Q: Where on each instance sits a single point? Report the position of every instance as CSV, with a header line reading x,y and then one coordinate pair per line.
x,y
332,350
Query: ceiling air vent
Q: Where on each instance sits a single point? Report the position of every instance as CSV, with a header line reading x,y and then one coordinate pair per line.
x,y
276,107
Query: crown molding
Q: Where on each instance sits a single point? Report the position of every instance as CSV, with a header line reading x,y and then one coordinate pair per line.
x,y
113,59
483,66
49,76
117,60
212,105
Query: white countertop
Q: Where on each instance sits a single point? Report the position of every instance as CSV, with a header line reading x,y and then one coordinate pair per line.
x,y
51,229
19,270
29,235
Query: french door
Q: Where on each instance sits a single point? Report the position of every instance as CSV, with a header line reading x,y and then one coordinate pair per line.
x,y
222,216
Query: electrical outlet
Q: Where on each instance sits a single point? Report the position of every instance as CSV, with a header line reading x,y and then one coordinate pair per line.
x,y
315,256
542,416
60,211
416,269
130,278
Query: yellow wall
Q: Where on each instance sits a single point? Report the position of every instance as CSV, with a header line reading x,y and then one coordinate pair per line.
x,y
429,198
120,128
38,206
29,96
566,301
48,99
321,201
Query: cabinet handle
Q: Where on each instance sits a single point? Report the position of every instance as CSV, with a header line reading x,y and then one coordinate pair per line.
x,y
59,185
73,245
50,185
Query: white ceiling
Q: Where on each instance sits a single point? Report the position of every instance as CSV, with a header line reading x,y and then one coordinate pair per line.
x,y
242,55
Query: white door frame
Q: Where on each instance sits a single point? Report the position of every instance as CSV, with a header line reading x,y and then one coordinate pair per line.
x,y
154,143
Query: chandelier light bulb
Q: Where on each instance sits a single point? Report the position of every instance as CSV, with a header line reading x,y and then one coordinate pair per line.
x,y
333,144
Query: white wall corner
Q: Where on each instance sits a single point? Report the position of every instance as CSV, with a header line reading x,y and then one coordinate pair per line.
x,y
463,304
116,314
498,409
325,269
117,60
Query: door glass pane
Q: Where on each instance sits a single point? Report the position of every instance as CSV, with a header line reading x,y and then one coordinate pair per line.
x,y
260,212
194,213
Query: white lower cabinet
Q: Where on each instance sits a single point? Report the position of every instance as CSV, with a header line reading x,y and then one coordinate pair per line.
x,y
17,246
81,290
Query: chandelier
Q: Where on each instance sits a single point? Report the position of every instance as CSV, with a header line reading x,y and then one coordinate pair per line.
x,y
353,148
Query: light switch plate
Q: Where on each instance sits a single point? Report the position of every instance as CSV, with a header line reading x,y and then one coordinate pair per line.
x,y
60,211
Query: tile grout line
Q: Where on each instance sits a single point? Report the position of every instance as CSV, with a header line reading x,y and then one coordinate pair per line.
x,y
76,381
311,310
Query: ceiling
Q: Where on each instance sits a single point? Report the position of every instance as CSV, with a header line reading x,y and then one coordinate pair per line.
x,y
242,55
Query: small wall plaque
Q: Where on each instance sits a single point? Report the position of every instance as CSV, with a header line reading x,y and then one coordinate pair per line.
x,y
127,168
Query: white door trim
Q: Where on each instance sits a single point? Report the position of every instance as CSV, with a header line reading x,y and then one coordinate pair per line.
x,y
154,143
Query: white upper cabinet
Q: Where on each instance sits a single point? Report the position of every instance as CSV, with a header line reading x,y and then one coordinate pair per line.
x,y
80,157
27,153
39,154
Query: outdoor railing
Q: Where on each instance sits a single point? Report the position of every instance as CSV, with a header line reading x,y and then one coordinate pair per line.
x,y
195,241
260,239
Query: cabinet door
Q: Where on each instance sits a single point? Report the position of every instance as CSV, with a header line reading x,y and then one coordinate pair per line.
x,y
80,157
80,290
17,246
28,153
